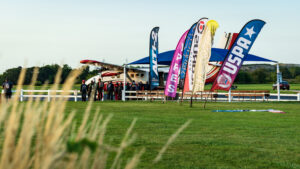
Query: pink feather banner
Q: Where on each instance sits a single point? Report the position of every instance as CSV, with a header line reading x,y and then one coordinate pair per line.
x,y
172,81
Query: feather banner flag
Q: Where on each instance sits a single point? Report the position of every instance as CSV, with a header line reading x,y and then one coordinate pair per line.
x,y
186,54
153,53
204,52
224,43
237,54
172,81
188,82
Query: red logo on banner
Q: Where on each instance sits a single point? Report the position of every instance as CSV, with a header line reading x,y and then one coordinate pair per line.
x,y
201,26
224,81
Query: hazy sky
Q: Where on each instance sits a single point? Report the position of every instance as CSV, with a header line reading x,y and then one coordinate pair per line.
x,y
43,32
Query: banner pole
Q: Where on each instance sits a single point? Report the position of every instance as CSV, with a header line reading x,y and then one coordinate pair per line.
x,y
191,102
278,82
206,98
124,85
181,97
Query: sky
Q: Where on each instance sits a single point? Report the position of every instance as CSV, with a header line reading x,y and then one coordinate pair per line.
x,y
40,32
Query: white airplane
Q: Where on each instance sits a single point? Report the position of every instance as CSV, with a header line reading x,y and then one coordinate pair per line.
x,y
111,72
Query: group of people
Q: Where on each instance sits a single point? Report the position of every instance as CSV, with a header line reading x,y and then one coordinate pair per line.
x,y
133,86
96,91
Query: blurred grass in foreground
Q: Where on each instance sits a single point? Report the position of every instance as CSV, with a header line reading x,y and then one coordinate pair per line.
x,y
45,135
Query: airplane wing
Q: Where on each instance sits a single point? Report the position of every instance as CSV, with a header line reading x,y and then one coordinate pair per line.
x,y
110,74
108,66
102,64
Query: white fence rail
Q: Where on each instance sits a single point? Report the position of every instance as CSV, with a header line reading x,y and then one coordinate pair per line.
x,y
224,96
50,94
47,94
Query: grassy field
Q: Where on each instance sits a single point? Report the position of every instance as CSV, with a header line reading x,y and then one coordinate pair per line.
x,y
263,87
266,87
212,140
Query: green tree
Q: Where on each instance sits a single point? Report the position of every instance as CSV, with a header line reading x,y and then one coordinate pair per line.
x,y
272,77
243,77
2,79
66,69
28,75
260,76
297,79
295,71
47,73
84,74
12,74
286,74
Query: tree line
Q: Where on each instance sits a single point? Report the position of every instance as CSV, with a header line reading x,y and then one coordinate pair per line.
x,y
46,74
256,74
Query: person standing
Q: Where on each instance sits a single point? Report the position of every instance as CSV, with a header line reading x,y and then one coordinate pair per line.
x,y
141,85
110,89
83,90
133,86
7,86
100,86
92,90
120,89
146,86
127,87
116,91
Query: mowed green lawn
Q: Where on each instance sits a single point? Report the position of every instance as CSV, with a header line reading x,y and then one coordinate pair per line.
x,y
266,87
212,140
262,87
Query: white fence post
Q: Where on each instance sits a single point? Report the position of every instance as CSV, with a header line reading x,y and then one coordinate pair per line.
x,y
75,95
278,82
48,95
21,95
229,95
123,95
146,95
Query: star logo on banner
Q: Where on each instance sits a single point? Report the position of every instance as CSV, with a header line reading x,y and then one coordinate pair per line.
x,y
250,32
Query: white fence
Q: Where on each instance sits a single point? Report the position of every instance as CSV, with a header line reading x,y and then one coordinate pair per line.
x,y
47,94
132,95
224,96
